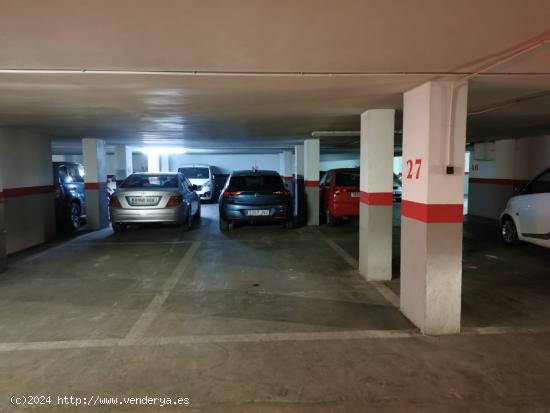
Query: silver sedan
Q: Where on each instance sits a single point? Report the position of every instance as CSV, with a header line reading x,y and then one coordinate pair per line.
x,y
154,197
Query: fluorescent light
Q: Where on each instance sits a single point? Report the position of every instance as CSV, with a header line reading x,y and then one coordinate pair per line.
x,y
163,150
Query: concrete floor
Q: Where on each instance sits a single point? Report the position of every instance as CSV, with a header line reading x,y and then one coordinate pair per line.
x,y
267,319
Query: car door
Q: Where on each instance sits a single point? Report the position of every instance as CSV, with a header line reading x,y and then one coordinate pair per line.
x,y
533,210
77,184
190,196
324,190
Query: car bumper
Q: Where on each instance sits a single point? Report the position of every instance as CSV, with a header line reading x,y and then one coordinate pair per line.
x,y
169,215
205,194
277,213
345,209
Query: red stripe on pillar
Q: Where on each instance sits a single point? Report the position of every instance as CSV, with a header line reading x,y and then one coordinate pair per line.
x,y
311,183
95,185
27,191
433,213
377,198
498,181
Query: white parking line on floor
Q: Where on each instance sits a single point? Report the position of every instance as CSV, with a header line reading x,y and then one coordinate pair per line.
x,y
154,307
382,288
259,338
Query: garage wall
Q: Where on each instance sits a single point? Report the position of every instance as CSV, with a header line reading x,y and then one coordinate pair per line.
x,y
28,191
339,160
228,163
512,163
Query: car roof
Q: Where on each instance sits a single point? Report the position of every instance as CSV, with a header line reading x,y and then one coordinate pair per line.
x,y
258,172
59,163
344,170
156,173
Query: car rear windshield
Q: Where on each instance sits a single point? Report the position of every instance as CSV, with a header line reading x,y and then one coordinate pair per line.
x,y
195,173
256,183
347,179
150,181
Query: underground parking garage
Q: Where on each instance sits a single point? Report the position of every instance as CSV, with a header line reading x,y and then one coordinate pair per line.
x,y
214,207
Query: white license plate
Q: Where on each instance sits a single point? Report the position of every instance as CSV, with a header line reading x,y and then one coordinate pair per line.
x,y
257,212
143,200
354,194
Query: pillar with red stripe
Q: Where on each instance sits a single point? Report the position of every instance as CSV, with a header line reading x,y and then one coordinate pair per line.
x,y
3,261
285,168
375,210
312,159
93,151
434,139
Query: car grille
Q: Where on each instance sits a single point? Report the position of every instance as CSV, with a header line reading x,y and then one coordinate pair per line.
x,y
143,200
199,187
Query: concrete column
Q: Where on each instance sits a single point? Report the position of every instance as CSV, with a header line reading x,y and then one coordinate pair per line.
x,y
27,209
164,163
2,223
311,179
375,209
93,151
285,168
434,138
298,181
123,161
153,162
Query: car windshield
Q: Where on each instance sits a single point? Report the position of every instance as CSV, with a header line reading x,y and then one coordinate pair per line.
x,y
256,183
150,181
195,173
347,179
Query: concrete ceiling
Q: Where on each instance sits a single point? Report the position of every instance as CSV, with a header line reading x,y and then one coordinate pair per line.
x,y
248,73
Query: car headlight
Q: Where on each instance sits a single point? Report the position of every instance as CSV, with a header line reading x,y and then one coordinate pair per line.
x,y
207,184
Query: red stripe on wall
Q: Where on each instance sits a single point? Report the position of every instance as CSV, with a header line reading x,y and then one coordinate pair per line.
x,y
26,191
377,198
311,183
495,181
433,213
95,185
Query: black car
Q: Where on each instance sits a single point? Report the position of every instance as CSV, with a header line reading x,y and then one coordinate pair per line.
x,y
254,196
70,199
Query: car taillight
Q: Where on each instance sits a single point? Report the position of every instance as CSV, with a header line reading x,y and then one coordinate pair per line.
x,y
174,201
227,194
114,202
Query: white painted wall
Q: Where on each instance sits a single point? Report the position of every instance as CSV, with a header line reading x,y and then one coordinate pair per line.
x,y
518,159
226,163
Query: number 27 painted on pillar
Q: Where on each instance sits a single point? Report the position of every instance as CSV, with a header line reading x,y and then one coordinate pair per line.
x,y
410,168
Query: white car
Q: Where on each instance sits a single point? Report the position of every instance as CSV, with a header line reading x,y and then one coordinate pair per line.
x,y
202,176
527,215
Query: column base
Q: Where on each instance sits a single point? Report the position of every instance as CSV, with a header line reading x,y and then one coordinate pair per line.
x,y
312,203
375,242
431,275
3,261
97,216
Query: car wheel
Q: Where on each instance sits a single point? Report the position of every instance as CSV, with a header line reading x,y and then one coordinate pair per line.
x,y
330,219
74,216
119,228
224,225
509,231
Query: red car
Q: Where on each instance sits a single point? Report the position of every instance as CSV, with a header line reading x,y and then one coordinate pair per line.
x,y
339,194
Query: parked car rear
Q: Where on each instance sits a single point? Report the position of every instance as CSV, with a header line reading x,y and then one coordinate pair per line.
x,y
70,197
339,194
254,196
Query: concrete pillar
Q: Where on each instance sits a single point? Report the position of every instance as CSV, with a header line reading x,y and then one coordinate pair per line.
x,y
164,160
299,182
285,168
27,209
153,162
375,209
93,151
434,138
123,161
2,223
311,179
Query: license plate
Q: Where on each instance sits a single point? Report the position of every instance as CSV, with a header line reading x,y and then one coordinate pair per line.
x,y
354,194
143,200
257,212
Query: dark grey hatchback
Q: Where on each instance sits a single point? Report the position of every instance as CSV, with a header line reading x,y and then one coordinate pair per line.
x,y
255,196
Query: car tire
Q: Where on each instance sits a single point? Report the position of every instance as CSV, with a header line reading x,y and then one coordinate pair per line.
x,y
509,231
330,219
74,216
119,228
224,225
